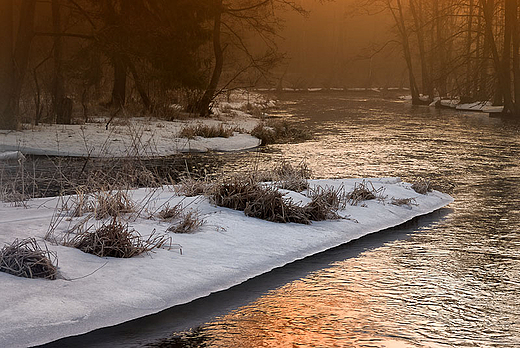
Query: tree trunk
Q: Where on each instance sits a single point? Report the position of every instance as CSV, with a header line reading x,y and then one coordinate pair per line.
x,y
516,58
18,59
441,50
419,31
407,53
8,119
119,89
203,107
469,42
139,85
58,91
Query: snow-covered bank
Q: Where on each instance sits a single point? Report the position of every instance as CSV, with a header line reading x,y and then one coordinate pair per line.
x,y
137,136
140,136
229,249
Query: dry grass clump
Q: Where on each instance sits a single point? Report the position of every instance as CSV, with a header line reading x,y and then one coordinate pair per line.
x,y
257,201
112,204
292,178
206,131
267,203
280,131
103,204
170,213
364,191
191,187
189,223
403,201
25,258
422,186
117,240
325,203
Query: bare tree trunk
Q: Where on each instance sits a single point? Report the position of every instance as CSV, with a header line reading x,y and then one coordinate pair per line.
x,y
58,90
119,88
203,107
419,31
516,58
15,61
441,50
8,119
139,85
403,33
469,43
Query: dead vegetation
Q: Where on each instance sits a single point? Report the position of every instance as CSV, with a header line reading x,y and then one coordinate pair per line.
x,y
267,203
422,186
190,187
25,258
103,204
188,223
170,213
116,239
292,178
325,203
403,201
364,191
207,131
280,131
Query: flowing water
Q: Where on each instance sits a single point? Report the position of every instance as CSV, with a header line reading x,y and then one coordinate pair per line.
x,y
450,279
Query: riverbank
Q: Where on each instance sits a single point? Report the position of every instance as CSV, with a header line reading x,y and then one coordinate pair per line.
x,y
126,136
229,248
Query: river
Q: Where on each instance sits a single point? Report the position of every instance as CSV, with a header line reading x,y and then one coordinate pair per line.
x,y
449,279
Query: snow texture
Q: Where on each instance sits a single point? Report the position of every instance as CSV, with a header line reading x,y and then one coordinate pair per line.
x,y
140,137
228,249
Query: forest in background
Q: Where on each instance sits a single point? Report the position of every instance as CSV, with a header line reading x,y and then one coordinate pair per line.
x,y
61,58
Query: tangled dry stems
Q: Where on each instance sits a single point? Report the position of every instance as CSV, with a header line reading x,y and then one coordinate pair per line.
x,y
25,258
189,223
117,240
103,204
170,213
279,131
325,202
267,203
364,191
292,178
422,186
403,201
207,131
191,187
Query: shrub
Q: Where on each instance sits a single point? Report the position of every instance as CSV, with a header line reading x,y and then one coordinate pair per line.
x,y
325,203
117,240
190,187
112,204
25,258
189,223
267,203
292,178
403,201
280,131
169,213
206,131
422,186
364,191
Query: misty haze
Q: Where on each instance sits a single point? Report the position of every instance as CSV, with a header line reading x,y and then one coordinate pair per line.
x,y
259,173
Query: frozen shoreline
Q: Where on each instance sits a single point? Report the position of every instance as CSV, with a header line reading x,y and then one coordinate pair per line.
x,y
229,249
140,137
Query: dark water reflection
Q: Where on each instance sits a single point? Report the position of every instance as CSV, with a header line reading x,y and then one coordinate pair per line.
x,y
451,280
456,283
